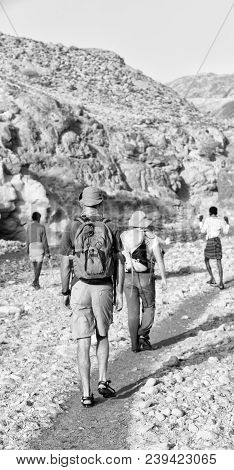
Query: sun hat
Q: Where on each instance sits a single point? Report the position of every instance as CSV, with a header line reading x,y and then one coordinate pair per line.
x,y
139,219
91,196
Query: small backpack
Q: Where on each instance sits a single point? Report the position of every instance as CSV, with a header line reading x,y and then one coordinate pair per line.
x,y
135,251
93,246
140,256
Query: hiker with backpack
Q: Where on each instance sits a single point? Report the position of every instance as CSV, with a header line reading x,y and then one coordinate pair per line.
x,y
141,249
37,246
213,226
98,265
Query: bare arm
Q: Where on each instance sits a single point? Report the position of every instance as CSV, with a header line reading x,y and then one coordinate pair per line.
x,y
202,224
27,241
65,272
160,262
45,241
225,226
120,276
120,273
65,264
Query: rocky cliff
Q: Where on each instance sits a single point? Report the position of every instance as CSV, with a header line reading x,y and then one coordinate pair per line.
x,y
214,94
71,117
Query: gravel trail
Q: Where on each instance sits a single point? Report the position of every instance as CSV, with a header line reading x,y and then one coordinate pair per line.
x,y
180,395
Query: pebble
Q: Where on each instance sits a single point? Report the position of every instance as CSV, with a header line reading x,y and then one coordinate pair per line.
x,y
159,417
166,411
150,382
222,379
172,361
142,405
213,360
169,399
206,435
177,412
192,428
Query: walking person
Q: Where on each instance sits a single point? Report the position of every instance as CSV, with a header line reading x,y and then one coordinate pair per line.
x,y
67,271
97,257
213,226
141,250
37,246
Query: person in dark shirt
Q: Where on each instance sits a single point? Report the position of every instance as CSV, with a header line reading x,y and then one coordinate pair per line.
x,y
37,246
92,294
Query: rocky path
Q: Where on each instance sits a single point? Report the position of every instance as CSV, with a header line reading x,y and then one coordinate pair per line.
x,y
180,395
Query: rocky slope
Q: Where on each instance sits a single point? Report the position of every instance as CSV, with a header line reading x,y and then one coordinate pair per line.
x,y
214,94
71,117
210,93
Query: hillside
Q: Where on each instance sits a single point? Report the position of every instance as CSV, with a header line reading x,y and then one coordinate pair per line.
x,y
214,94
71,117
210,93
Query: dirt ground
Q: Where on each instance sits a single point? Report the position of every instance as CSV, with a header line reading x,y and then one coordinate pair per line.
x,y
40,405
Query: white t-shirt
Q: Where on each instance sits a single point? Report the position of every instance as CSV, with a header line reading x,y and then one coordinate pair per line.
x,y
213,226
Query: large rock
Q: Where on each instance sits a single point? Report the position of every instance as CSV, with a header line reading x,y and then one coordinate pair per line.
x,y
20,196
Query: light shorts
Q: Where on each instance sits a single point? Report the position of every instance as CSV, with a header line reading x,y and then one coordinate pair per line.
x,y
36,252
92,307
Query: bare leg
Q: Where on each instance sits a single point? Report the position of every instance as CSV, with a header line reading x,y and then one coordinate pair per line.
x,y
84,365
37,271
208,267
220,268
102,356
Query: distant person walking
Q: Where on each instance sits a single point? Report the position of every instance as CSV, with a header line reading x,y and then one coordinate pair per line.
x,y
213,226
66,266
97,263
141,249
37,246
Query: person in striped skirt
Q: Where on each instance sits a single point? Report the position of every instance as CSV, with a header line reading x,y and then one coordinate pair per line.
x,y
213,226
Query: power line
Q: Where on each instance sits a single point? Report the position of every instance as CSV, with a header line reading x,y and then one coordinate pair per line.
x,y
7,16
211,46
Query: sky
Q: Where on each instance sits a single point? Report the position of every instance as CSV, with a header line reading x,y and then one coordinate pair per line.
x,y
165,39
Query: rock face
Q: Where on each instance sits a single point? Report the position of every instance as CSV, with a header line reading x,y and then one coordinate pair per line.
x,y
71,117
20,196
214,94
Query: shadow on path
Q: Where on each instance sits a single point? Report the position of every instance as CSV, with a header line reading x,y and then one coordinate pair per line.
x,y
185,270
195,358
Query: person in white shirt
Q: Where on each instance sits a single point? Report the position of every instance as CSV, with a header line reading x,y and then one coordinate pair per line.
x,y
213,226
141,249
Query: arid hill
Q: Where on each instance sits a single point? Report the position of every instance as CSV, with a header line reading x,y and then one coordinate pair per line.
x,y
71,117
210,93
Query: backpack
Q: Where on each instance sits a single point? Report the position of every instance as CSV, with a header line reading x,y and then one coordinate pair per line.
x,y
140,256
135,251
93,250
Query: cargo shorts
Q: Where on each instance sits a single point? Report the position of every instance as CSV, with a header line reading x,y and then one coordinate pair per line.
x,y
92,309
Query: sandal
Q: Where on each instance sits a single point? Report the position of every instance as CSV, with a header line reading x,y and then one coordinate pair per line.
x,y
105,390
87,402
221,286
212,283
